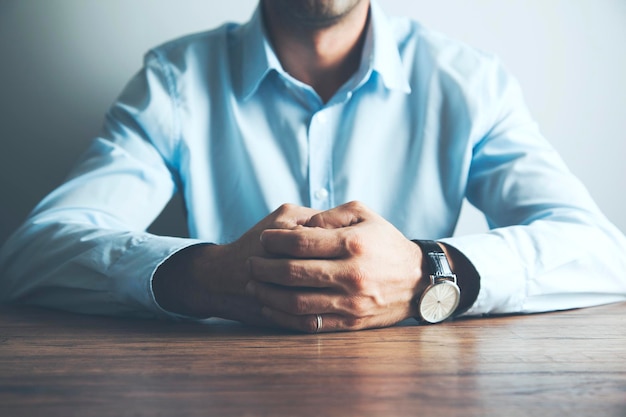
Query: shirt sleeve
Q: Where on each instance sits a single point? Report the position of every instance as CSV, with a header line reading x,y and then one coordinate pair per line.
x,y
85,247
549,247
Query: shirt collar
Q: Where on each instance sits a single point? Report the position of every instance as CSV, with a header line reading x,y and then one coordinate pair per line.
x,y
258,57
380,53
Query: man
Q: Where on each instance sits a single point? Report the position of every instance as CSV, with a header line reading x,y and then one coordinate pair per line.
x,y
320,104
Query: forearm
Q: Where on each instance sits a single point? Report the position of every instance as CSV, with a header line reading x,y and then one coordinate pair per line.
x,y
76,266
547,265
210,280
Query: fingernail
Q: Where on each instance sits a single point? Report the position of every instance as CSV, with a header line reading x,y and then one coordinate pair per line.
x,y
250,288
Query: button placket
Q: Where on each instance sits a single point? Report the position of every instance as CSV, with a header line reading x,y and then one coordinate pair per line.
x,y
320,160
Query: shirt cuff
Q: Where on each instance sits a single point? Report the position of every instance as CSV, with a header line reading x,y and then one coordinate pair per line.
x,y
134,271
502,279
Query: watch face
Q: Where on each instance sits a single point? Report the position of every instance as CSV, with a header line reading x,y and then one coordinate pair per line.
x,y
439,301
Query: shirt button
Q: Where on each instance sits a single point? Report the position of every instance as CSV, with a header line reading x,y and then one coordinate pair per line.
x,y
321,194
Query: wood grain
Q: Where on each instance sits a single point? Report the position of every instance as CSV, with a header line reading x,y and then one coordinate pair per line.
x,y
558,364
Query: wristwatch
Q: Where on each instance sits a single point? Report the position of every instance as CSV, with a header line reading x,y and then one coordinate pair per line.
x,y
441,297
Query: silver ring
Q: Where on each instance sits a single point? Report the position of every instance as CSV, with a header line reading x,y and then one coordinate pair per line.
x,y
319,323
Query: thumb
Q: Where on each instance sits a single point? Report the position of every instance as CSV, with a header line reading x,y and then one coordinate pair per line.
x,y
341,216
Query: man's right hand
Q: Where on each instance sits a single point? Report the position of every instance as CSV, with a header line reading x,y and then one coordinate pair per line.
x,y
209,280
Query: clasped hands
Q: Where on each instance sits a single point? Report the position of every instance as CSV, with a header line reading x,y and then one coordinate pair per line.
x,y
347,264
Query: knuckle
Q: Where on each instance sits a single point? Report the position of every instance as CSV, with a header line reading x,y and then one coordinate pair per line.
x,y
355,306
285,208
282,212
354,323
355,205
356,278
353,244
358,207
295,273
290,272
301,244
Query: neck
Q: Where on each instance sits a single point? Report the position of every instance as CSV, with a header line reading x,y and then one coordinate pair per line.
x,y
324,56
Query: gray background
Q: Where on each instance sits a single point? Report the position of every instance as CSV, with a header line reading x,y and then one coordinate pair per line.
x,y
63,62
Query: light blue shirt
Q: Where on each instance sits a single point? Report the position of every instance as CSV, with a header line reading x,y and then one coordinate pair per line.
x,y
424,123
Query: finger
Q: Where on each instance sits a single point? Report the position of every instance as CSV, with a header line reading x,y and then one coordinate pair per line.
x,y
341,216
304,301
300,301
288,216
305,242
312,273
309,323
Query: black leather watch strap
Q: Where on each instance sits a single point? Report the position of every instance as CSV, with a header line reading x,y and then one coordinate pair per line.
x,y
436,259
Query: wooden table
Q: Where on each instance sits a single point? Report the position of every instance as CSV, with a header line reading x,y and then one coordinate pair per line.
x,y
558,364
